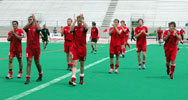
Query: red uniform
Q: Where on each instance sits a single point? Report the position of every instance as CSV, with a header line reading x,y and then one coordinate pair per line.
x,y
170,46
115,43
15,44
79,43
160,33
125,35
141,40
33,43
182,31
68,37
94,33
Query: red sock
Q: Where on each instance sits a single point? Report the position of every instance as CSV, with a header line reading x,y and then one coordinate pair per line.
x,y
69,64
123,51
112,66
73,79
81,76
172,69
139,64
128,45
117,66
20,72
40,74
28,77
144,62
10,72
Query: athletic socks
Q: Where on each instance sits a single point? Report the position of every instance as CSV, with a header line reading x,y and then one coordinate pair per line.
x,y
139,66
116,69
172,71
111,68
10,75
167,69
81,78
144,65
70,66
19,74
28,77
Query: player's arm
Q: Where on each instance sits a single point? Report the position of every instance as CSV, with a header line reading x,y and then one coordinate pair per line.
x,y
73,25
26,27
36,23
17,36
62,32
117,31
10,37
48,32
146,33
136,36
124,30
178,36
110,32
166,37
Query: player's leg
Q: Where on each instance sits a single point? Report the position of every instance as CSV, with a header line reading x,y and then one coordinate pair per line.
x,y
111,63
95,47
92,47
67,56
39,68
69,59
20,67
139,60
82,72
43,44
10,73
29,62
144,59
117,64
74,69
173,65
128,45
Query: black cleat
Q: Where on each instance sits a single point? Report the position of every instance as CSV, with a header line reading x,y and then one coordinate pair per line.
x,y
81,81
39,79
27,81
72,83
168,71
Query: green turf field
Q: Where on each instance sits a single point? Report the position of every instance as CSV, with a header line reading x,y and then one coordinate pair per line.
x,y
129,84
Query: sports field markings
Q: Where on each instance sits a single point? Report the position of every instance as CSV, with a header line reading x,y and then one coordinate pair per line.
x,y
23,94
41,53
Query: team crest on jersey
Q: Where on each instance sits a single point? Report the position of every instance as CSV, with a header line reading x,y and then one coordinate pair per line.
x,y
82,29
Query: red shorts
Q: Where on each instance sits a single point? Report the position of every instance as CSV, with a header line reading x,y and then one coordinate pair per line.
x,y
170,54
68,46
115,50
124,40
18,54
140,48
79,54
33,52
159,37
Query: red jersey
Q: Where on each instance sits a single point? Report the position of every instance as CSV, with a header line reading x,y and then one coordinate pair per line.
x,y
66,32
115,37
15,44
141,40
79,37
182,31
171,41
160,33
94,32
33,37
125,34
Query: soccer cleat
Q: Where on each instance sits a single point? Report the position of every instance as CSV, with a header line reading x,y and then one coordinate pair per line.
x,y
111,70
92,51
144,66
73,83
9,76
81,81
116,71
39,79
20,74
171,76
27,81
139,67
95,52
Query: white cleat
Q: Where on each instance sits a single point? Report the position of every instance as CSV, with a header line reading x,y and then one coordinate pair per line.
x,y
144,66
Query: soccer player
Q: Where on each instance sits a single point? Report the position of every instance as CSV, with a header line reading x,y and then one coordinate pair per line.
x,y
140,34
68,37
33,47
15,37
182,32
171,37
94,37
45,32
115,45
124,38
160,33
79,47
